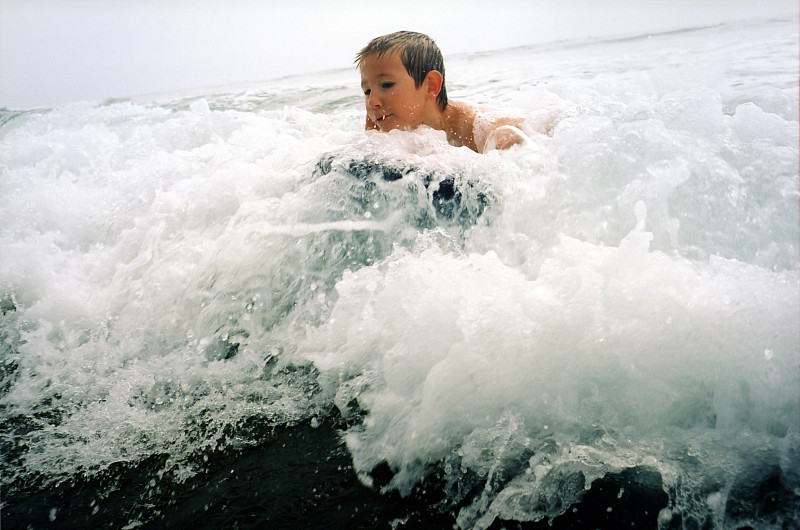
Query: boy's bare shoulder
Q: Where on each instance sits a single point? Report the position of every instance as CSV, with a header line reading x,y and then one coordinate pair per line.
x,y
495,128
484,128
468,125
459,118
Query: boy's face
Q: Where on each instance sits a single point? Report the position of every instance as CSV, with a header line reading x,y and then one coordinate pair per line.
x,y
392,99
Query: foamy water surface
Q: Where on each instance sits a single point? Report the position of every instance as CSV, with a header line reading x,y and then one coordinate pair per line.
x,y
620,292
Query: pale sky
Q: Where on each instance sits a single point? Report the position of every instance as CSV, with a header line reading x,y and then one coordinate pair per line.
x,y
57,51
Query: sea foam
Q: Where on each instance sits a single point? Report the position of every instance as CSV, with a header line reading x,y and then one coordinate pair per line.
x,y
178,276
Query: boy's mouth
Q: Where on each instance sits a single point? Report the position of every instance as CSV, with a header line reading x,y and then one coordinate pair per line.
x,y
382,118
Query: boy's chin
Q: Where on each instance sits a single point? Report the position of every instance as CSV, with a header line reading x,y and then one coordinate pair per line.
x,y
392,125
387,125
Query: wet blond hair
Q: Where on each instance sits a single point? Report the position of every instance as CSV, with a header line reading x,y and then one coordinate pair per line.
x,y
418,52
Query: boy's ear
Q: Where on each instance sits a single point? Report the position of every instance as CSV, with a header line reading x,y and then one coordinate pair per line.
x,y
434,81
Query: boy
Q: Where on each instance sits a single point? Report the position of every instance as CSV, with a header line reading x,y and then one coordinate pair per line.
x,y
402,76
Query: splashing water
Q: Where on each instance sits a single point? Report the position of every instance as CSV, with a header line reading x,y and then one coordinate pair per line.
x,y
622,293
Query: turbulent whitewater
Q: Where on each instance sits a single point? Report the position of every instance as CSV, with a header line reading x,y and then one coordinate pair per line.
x,y
180,274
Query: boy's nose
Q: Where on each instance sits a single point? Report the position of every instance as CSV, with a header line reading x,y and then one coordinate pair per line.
x,y
373,100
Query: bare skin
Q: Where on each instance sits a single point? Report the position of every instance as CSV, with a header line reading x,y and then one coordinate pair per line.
x,y
393,101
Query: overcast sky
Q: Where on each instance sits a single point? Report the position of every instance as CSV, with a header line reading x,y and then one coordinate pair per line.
x,y
57,51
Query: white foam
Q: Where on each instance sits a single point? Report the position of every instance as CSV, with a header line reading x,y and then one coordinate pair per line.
x,y
630,297
619,337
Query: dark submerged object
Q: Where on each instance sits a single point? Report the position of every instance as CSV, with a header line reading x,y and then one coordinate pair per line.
x,y
454,197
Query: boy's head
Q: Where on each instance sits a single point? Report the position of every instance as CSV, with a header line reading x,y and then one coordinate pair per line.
x,y
418,53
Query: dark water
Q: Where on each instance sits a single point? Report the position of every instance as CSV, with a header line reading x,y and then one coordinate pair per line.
x,y
299,477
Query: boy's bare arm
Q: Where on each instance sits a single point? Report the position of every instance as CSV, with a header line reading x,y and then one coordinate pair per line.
x,y
504,135
497,132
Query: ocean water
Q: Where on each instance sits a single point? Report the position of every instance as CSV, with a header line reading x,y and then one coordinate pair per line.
x,y
192,277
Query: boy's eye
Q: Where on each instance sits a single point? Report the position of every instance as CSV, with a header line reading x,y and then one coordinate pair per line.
x,y
366,92
387,85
